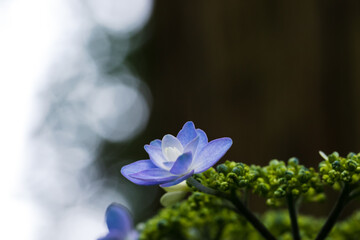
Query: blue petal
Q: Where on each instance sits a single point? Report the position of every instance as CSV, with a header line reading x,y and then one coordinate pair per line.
x,y
135,167
156,143
171,141
187,133
211,153
118,219
133,235
154,176
156,155
192,146
177,181
203,140
114,235
182,164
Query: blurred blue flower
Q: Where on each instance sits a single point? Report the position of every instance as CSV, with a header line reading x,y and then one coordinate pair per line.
x,y
174,159
119,223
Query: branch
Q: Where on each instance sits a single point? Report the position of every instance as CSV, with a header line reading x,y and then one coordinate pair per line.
x,y
238,204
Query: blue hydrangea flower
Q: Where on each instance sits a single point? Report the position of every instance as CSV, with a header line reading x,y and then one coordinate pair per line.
x,y
119,223
174,159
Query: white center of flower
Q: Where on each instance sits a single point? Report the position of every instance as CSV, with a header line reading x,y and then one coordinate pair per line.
x,y
172,153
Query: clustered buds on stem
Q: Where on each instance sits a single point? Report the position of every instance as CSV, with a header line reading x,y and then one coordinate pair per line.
x,y
336,170
217,204
274,182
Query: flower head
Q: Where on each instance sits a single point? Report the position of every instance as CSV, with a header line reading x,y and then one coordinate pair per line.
x,y
119,223
174,159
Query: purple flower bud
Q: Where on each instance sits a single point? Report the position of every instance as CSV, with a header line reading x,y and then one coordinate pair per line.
x,y
119,223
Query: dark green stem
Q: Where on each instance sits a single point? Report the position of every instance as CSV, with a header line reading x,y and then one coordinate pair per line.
x,y
339,206
238,204
293,217
246,197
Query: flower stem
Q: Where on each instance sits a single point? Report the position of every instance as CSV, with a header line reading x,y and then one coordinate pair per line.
x,y
339,206
238,204
293,217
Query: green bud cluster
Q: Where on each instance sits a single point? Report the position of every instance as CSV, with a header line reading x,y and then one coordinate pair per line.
x,y
203,216
336,170
227,176
278,180
274,182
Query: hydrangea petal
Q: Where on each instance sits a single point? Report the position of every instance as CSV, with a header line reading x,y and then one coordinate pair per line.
x,y
192,146
133,235
179,180
211,153
182,164
203,139
187,133
156,155
156,143
118,219
154,176
171,141
114,235
135,167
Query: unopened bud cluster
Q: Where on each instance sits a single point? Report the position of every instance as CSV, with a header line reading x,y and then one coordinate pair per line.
x,y
274,182
284,179
228,176
336,170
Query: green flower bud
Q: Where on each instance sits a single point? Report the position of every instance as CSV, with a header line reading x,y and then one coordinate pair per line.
x,y
304,176
264,188
232,176
345,176
333,174
280,171
304,188
295,192
351,155
222,168
238,170
336,165
243,183
170,198
279,193
274,162
224,186
289,174
293,161
333,157
351,165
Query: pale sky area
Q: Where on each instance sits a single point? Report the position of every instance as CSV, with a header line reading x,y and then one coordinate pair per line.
x,y
33,36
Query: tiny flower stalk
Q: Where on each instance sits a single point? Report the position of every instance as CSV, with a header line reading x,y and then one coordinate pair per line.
x,y
293,217
335,213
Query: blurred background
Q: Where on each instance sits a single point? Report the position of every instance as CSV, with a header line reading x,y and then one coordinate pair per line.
x,y
85,84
